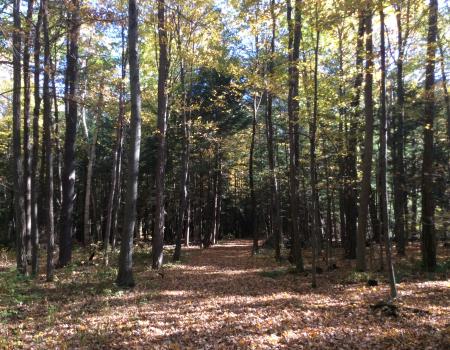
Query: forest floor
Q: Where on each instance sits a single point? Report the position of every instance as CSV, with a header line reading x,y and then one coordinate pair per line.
x,y
222,298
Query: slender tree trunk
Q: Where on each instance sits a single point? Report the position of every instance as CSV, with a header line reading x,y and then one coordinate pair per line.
x,y
383,162
275,204
34,159
57,144
125,274
251,178
115,184
184,175
398,145
293,111
47,141
428,230
158,236
19,202
444,88
26,125
351,194
91,161
68,176
368,151
313,129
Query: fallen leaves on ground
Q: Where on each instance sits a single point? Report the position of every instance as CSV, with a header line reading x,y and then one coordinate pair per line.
x,y
218,298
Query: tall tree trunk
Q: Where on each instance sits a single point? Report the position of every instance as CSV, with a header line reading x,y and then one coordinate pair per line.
x,y
68,176
428,230
368,150
47,141
312,136
251,178
158,236
444,87
57,143
26,125
115,183
384,218
398,144
184,175
91,161
34,158
293,111
19,203
275,204
125,274
351,193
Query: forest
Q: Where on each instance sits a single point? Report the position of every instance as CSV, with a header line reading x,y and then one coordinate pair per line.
x,y
224,174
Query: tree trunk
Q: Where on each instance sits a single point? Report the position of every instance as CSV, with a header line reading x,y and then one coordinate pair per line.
x,y
275,204
398,144
428,230
293,111
184,175
115,182
26,125
351,194
368,151
125,274
313,129
383,166
91,161
68,176
158,235
47,141
19,203
34,159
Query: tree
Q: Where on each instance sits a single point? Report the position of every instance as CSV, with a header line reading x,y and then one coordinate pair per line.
x,y
350,191
68,176
26,124
47,140
428,230
399,137
117,156
125,274
35,151
19,205
383,166
368,148
158,236
313,170
275,203
293,112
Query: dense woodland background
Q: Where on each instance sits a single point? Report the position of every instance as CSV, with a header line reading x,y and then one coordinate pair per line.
x,y
306,126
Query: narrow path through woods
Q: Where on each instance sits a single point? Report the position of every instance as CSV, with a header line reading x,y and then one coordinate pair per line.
x,y
223,298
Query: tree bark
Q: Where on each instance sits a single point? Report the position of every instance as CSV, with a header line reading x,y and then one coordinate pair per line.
x,y
125,274
398,143
351,194
384,218
185,157
35,151
428,230
158,236
26,125
275,204
19,202
91,161
47,141
293,112
368,150
312,136
115,182
68,176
